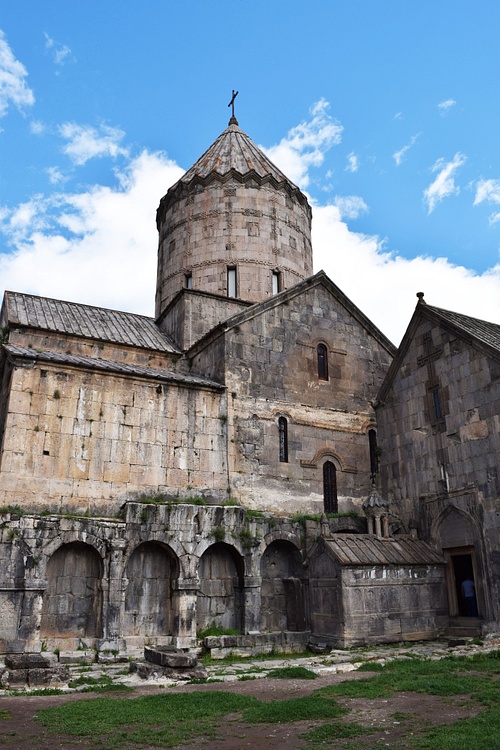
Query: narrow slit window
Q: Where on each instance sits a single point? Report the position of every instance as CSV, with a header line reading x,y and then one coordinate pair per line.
x,y
438,411
372,438
188,281
276,282
283,439
330,487
231,282
322,353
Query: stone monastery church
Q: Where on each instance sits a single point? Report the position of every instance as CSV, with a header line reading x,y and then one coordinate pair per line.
x,y
257,459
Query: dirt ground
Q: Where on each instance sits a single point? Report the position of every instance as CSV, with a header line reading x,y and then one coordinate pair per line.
x,y
397,718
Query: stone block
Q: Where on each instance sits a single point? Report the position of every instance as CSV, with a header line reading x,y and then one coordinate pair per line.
x,y
169,656
30,661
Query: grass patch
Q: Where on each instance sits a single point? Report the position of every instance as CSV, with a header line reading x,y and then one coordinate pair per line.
x,y
451,676
292,673
481,733
325,734
157,720
293,709
4,715
216,630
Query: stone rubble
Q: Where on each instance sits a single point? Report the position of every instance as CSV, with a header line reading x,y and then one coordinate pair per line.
x,y
15,675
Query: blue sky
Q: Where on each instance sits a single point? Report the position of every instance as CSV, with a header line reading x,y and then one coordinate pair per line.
x,y
386,113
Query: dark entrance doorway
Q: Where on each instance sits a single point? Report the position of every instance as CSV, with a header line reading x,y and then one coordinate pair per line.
x,y
463,571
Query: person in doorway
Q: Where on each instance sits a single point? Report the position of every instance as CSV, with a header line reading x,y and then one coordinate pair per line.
x,y
469,594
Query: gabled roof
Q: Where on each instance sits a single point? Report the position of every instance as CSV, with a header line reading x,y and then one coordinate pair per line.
x,y
98,323
365,549
277,300
479,333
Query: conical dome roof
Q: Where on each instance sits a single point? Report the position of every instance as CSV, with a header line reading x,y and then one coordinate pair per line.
x,y
234,150
233,225
232,155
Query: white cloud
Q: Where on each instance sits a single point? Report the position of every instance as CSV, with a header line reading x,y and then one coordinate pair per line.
x,y
352,162
444,184
58,51
37,127
383,284
305,145
85,142
13,87
56,177
350,206
488,191
398,156
446,105
97,247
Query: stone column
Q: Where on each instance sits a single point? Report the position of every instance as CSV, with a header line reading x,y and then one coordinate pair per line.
x,y
252,601
184,600
113,598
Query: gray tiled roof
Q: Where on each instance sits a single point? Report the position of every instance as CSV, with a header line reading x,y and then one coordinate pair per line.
x,y
482,330
84,320
233,149
364,549
106,365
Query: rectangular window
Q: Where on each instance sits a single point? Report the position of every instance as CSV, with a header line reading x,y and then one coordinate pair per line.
x,y
188,281
276,282
231,282
437,404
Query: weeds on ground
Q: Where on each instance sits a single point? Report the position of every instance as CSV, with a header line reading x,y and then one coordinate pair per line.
x,y
292,673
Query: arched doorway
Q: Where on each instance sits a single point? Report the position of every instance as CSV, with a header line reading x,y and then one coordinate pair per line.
x,y
220,596
282,592
461,544
148,597
72,602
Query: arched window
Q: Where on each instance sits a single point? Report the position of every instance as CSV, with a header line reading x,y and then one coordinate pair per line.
x,y
322,353
330,487
372,439
283,439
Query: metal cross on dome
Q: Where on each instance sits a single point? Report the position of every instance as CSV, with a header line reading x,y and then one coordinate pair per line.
x,y
231,103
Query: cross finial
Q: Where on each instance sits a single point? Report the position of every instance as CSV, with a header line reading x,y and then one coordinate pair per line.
x,y
233,120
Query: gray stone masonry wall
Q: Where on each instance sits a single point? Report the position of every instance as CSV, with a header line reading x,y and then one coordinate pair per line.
x,y
361,605
30,544
78,440
431,467
192,314
270,364
256,229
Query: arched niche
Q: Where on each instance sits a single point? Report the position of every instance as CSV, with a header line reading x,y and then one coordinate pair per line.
x,y
72,602
282,595
150,572
220,596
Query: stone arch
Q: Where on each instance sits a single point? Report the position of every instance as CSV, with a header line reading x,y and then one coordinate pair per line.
x,y
72,602
149,575
70,537
459,537
220,596
282,592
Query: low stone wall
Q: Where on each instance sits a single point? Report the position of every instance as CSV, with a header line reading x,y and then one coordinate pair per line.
x,y
255,644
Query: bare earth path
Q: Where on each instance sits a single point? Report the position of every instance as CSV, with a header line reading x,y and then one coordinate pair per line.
x,y
22,732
